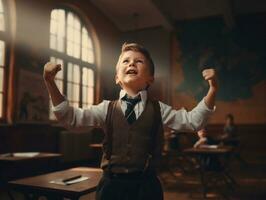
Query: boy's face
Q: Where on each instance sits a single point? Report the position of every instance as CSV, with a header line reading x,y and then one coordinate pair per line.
x,y
133,71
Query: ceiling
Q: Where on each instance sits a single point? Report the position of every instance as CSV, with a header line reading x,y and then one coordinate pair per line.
x,y
130,15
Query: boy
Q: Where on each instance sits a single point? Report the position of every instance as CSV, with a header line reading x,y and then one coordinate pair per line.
x,y
134,125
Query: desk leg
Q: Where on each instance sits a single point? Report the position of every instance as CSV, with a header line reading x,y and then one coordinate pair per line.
x,y
10,195
204,187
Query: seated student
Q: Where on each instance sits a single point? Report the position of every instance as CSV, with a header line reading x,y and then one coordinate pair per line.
x,y
229,136
208,162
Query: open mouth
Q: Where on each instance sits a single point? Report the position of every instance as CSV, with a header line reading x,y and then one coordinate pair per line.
x,y
132,72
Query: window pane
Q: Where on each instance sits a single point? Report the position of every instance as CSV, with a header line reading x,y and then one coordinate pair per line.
x,y
73,35
77,51
60,44
2,17
57,30
2,22
84,94
1,104
90,77
70,48
52,41
61,16
77,23
90,95
76,92
87,48
87,92
70,34
77,36
54,14
1,79
70,72
1,6
69,91
61,30
2,53
76,74
89,42
70,19
84,76
90,57
53,27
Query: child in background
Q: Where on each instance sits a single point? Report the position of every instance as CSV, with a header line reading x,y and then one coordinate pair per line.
x,y
229,128
208,162
133,125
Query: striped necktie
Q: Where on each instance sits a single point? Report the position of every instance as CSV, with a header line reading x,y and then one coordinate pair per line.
x,y
130,114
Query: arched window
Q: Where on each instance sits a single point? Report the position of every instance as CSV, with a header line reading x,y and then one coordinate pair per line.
x,y
71,45
2,56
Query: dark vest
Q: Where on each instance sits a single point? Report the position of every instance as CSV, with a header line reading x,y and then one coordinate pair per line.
x,y
135,147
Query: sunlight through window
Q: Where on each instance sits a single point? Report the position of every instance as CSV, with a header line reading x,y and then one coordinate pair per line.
x,y
71,45
2,57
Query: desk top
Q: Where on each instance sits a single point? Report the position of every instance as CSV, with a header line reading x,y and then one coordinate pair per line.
x,y
219,150
41,184
96,145
11,157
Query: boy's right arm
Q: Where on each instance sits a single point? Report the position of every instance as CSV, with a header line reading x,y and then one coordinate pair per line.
x,y
68,115
49,72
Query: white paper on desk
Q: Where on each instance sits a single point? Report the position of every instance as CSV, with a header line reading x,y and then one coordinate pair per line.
x,y
26,154
209,146
60,181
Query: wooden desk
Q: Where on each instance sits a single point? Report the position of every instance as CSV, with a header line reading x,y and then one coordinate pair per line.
x,y
98,146
222,154
208,151
36,186
14,167
11,158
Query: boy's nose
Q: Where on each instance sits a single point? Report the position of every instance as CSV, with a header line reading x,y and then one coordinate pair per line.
x,y
132,63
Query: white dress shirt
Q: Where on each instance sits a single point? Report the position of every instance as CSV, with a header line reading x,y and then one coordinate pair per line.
x,y
95,115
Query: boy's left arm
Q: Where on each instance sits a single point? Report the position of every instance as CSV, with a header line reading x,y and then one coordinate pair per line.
x,y
194,120
210,76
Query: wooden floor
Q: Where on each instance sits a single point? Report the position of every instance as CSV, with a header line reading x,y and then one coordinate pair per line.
x,y
251,184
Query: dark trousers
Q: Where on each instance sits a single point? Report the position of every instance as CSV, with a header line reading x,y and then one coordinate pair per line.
x,y
112,187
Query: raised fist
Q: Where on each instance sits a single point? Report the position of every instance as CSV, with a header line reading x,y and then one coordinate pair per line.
x,y
210,76
50,70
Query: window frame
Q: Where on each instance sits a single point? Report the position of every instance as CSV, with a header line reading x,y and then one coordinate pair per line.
x,y
71,59
4,36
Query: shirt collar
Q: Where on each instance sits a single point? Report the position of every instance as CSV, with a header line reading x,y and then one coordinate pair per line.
x,y
142,93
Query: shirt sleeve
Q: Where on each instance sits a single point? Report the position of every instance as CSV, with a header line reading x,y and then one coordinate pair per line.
x,y
182,120
76,117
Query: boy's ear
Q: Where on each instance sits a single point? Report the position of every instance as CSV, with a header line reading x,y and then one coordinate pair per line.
x,y
116,79
150,80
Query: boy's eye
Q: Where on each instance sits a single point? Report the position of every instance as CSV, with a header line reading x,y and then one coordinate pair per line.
x,y
140,61
125,61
